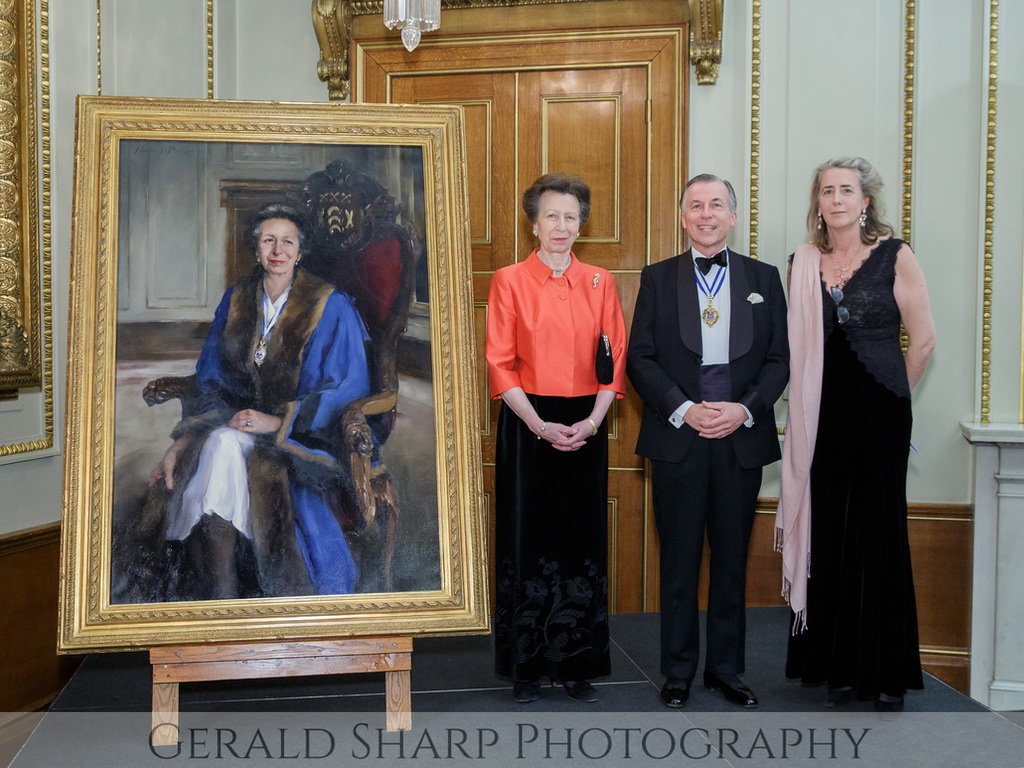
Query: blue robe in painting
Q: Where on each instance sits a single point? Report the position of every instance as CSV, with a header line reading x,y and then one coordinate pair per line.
x,y
315,366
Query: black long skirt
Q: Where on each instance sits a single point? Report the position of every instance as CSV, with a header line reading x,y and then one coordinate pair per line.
x,y
861,613
551,549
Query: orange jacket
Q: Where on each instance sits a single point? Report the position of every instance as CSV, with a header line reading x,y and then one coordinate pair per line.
x,y
542,331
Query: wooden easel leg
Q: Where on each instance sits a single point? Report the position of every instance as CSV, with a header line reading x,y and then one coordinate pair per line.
x,y
398,695
165,714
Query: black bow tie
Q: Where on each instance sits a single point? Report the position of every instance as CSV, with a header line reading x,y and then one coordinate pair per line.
x,y
704,263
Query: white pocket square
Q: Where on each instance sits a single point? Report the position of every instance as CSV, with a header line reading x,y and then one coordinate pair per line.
x,y
755,298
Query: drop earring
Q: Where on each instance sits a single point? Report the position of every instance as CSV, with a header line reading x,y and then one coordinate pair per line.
x,y
819,220
863,218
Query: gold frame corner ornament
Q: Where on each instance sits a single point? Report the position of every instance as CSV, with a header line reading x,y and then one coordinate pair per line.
x,y
332,23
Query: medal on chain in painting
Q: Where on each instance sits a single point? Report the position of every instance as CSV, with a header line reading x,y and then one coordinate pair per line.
x,y
270,315
261,352
709,315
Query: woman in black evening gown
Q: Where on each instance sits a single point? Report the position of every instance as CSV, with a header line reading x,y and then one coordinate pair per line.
x,y
847,445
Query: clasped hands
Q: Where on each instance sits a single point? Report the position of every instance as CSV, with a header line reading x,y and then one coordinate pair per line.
x,y
566,438
715,420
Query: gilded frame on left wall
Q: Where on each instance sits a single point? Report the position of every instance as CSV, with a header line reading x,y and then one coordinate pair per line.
x,y
21,222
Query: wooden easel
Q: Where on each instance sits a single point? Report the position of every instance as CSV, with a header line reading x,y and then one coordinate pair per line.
x,y
174,664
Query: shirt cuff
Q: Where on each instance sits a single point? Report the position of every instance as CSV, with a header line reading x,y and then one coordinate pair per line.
x,y
676,419
750,419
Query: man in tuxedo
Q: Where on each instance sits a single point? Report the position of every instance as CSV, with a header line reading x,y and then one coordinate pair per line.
x,y
709,355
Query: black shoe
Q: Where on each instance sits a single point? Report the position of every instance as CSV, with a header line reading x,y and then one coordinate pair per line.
x,y
889,704
524,691
732,688
580,690
675,696
840,697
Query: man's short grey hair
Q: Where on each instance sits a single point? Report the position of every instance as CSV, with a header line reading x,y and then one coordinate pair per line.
x,y
709,178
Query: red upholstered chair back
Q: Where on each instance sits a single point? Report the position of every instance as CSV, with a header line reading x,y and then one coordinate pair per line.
x,y
358,244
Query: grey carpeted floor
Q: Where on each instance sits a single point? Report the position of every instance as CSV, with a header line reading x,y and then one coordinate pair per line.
x,y
101,717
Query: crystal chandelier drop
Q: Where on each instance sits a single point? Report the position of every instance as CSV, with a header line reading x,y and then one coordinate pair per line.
x,y
413,17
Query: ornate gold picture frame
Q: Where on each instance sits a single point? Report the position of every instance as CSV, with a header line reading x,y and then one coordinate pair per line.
x,y
165,190
20,225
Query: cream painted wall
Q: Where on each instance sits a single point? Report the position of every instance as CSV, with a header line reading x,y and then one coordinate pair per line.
x,y
831,84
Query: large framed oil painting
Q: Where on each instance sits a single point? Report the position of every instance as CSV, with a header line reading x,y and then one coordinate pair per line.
x,y
271,431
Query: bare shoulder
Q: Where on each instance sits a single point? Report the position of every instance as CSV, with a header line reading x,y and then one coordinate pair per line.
x,y
906,262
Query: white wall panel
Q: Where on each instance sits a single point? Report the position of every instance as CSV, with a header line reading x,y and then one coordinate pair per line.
x,y
153,48
276,51
947,239
1008,223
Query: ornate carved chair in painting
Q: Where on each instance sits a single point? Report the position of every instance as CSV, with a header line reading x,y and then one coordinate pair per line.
x,y
356,244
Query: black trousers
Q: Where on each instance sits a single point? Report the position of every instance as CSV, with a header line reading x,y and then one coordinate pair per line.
x,y
707,491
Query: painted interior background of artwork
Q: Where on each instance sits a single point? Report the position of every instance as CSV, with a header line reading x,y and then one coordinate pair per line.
x,y
174,260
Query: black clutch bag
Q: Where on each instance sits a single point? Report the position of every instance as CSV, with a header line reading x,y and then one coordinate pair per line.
x,y
603,365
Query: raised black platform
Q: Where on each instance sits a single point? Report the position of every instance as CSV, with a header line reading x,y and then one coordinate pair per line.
x,y
101,717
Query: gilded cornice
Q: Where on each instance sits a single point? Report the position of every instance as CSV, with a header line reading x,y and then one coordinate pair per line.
x,y
332,22
706,39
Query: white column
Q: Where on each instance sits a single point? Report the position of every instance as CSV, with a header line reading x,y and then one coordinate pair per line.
x,y
997,613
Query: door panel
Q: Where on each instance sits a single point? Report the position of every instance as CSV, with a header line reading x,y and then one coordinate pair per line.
x,y
489,101
592,123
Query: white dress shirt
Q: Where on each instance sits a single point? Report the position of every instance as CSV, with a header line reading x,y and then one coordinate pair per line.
x,y
714,339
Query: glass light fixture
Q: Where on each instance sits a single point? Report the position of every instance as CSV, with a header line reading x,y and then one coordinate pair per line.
x,y
413,17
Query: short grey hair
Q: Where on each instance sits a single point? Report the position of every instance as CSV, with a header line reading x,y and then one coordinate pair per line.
x,y
276,211
709,178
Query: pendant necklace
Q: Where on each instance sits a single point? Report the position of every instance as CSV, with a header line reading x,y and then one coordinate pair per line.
x,y
709,315
271,311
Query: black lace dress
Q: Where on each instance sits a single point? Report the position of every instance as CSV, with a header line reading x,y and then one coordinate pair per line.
x,y
861,614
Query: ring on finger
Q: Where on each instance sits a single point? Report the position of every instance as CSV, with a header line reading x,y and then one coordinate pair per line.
x,y
248,422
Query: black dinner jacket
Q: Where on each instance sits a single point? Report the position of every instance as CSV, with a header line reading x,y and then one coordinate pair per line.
x,y
664,356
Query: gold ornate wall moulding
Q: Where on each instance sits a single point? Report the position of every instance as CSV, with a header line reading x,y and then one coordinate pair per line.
x,y
755,130
20,338
990,211
706,39
332,22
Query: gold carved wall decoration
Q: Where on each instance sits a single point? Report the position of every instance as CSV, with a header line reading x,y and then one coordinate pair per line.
x,y
332,22
706,39
20,321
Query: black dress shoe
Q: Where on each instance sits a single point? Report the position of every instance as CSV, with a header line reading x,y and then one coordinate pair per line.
x,y
889,704
840,697
733,689
580,690
525,691
675,696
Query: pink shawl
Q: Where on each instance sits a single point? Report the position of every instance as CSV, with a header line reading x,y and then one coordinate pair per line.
x,y
806,354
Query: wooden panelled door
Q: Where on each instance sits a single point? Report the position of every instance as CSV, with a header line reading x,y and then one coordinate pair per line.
x,y
608,106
